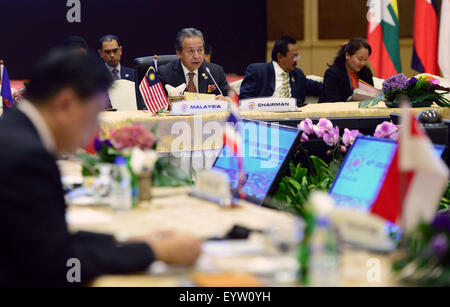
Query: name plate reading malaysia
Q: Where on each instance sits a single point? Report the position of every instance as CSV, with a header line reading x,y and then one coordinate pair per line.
x,y
198,107
269,104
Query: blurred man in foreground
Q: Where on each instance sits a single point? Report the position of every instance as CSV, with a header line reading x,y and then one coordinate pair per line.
x,y
59,113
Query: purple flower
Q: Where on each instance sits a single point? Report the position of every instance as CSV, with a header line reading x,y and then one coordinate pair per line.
x,y
386,130
331,138
322,127
396,82
349,136
306,126
413,81
98,144
442,222
343,149
304,137
439,244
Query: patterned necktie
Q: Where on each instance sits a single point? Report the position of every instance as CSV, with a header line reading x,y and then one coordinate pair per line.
x,y
284,90
191,86
115,72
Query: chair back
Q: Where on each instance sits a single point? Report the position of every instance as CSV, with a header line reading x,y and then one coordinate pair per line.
x,y
141,66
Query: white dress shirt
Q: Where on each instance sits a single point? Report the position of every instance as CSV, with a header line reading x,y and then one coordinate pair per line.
x,y
279,80
186,76
39,123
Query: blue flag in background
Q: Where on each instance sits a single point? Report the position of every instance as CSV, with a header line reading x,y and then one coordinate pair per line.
x,y
8,102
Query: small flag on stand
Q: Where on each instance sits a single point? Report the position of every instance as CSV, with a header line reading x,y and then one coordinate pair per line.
x,y
415,180
233,140
152,92
8,102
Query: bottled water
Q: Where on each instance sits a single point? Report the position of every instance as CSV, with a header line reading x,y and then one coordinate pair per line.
x,y
121,192
324,257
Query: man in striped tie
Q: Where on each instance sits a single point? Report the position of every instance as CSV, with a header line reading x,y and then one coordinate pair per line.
x,y
281,77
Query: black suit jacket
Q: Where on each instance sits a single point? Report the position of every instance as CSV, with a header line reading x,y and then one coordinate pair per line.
x,y
336,83
127,73
36,243
172,73
259,81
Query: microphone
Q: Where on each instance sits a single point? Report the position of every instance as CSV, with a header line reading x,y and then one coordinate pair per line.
x,y
207,69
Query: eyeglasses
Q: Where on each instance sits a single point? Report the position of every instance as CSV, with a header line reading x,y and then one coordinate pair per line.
x,y
193,51
295,58
109,51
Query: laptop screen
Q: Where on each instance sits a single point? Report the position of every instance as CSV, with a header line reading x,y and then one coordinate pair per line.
x,y
265,147
363,172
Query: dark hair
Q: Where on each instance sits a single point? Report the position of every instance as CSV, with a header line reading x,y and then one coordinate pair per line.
x,y
187,32
281,46
62,68
208,49
108,38
75,42
352,46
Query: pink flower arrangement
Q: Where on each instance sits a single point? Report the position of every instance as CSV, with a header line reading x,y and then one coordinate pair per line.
x,y
387,130
18,94
349,136
324,129
132,136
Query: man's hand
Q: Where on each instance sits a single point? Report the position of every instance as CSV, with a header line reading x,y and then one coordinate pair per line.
x,y
173,248
220,97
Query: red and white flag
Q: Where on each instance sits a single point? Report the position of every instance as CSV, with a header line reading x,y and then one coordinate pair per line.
x,y
152,92
415,181
444,39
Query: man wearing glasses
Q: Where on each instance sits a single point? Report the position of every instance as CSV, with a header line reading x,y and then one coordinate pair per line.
x,y
191,67
281,77
110,51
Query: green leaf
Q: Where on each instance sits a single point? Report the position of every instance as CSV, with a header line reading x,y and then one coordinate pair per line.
x,y
370,102
167,175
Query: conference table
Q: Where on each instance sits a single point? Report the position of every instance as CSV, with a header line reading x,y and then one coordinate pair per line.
x,y
253,262
194,141
202,128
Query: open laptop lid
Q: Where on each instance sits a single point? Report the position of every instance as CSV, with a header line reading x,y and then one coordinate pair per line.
x,y
363,171
266,150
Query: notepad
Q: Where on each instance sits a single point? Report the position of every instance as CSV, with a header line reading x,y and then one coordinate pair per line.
x,y
198,96
364,91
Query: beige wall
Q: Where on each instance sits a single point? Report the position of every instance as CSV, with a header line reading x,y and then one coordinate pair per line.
x,y
315,53
315,56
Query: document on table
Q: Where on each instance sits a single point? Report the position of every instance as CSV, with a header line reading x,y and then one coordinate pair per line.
x,y
86,216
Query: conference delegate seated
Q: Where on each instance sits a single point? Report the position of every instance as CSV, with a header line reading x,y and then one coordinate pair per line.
x,y
58,114
349,66
191,67
281,77
110,50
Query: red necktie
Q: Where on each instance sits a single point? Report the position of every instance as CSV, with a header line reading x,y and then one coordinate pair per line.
x,y
116,73
191,85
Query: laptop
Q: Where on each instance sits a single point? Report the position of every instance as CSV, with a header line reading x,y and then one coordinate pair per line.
x,y
363,171
267,149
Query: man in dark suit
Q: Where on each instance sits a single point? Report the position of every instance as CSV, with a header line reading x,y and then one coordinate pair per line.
x,y
281,77
191,67
110,51
58,114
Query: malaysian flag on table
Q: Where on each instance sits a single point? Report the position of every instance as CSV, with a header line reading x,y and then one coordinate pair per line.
x,y
152,92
